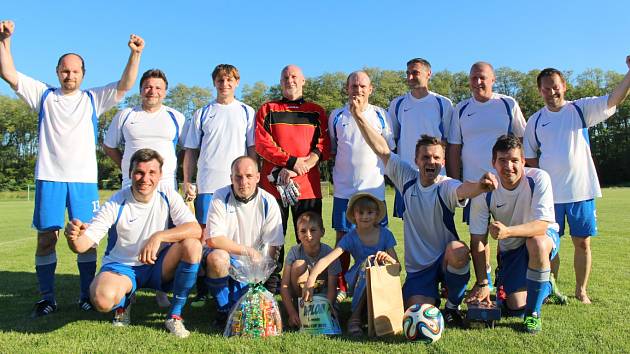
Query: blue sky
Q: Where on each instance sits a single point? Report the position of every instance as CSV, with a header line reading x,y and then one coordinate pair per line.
x,y
187,39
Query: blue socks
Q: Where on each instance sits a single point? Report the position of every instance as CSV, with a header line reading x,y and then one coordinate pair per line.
x,y
45,268
185,277
219,289
86,262
456,280
538,288
226,292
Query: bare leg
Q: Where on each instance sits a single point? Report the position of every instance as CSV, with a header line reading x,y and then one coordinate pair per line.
x,y
582,264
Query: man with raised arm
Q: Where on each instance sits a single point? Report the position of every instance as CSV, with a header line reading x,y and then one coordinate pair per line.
x,y
556,140
292,138
419,111
433,252
357,168
66,170
153,242
524,225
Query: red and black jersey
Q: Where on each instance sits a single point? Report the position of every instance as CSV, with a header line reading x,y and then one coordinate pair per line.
x,y
286,130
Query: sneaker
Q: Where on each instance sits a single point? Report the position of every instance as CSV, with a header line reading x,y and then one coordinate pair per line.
x,y
43,308
162,299
453,317
122,317
85,305
199,300
556,297
341,295
220,320
533,323
175,325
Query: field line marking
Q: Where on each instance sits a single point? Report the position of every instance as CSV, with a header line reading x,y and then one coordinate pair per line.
x,y
14,241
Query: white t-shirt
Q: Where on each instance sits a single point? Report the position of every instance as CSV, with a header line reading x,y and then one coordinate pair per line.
x,y
222,133
357,168
428,219
565,153
476,126
67,144
531,200
412,117
138,129
251,224
132,223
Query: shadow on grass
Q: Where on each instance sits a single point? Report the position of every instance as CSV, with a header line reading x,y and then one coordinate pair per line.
x,y
19,292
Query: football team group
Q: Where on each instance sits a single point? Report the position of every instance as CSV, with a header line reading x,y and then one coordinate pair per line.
x,y
518,180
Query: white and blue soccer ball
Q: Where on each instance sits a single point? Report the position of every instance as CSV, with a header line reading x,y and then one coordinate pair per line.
x,y
423,322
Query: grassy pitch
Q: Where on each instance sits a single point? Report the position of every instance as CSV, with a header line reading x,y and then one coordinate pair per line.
x,y
602,327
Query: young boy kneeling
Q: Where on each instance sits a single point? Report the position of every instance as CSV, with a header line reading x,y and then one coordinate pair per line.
x,y
299,262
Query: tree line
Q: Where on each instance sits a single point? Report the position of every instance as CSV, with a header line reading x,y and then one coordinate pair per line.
x,y
610,140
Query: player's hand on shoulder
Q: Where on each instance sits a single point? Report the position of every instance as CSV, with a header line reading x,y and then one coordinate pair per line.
x,y
136,43
74,228
7,27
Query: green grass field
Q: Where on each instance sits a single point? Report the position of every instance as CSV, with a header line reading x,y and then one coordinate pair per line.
x,y
602,327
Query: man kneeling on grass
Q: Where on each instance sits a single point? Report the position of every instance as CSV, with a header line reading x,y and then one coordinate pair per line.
x,y
524,224
153,242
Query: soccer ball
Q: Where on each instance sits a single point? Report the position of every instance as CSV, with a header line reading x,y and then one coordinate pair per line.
x,y
423,322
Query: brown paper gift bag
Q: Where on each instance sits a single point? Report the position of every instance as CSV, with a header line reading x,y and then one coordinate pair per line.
x,y
384,297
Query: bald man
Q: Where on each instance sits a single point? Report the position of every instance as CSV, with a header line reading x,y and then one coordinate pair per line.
x,y
65,172
292,138
242,220
476,124
357,168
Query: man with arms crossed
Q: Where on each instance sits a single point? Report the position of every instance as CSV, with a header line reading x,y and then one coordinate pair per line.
x,y
556,140
153,242
66,171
